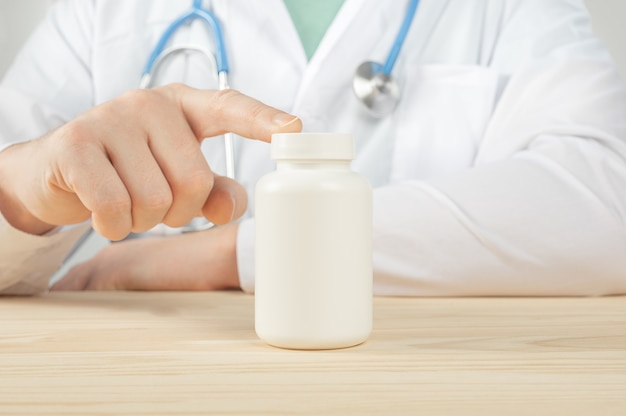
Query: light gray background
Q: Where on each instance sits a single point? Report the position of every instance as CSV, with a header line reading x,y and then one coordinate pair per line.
x,y
19,17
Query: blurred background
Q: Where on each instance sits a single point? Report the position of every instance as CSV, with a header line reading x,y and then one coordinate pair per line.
x,y
19,17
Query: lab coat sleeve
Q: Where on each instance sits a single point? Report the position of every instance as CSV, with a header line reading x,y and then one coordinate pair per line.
x,y
27,261
48,84
542,210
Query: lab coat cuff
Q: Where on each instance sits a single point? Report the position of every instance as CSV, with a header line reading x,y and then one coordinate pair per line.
x,y
245,255
4,146
27,261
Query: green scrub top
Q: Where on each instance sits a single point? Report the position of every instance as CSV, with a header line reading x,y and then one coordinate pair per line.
x,y
311,19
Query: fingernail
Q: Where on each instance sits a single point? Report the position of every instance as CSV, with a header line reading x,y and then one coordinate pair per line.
x,y
284,119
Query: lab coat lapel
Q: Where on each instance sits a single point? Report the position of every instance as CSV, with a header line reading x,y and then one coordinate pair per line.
x,y
358,25
363,30
261,35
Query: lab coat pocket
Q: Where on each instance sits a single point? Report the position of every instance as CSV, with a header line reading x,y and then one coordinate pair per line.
x,y
441,119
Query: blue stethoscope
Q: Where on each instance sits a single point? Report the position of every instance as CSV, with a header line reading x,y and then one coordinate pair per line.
x,y
373,83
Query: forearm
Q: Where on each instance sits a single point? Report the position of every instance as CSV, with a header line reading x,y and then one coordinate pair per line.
x,y
27,261
536,224
195,261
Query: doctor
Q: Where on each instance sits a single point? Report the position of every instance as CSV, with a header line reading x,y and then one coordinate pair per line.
x,y
501,170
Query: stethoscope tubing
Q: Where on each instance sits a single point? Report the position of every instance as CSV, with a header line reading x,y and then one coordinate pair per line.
x,y
400,37
196,12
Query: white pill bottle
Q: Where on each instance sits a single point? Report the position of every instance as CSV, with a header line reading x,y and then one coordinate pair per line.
x,y
313,249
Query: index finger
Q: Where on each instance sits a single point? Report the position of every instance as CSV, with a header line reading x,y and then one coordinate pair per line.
x,y
212,113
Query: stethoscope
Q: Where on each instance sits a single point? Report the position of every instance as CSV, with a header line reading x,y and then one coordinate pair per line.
x,y
373,82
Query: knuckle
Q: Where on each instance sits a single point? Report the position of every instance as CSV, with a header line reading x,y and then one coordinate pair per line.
x,y
260,112
172,91
139,98
177,87
114,206
196,184
74,137
156,201
75,142
199,183
222,99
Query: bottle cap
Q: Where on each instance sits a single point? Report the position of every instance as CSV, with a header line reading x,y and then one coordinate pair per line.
x,y
330,146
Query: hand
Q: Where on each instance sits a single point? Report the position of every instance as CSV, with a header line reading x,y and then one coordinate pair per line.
x,y
134,162
197,261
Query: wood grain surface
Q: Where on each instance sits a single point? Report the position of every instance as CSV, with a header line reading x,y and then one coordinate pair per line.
x,y
197,353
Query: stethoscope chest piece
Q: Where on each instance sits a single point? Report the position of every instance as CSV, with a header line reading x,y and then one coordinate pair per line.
x,y
377,90
373,83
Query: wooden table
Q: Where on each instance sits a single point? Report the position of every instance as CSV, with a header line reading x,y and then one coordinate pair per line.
x,y
197,353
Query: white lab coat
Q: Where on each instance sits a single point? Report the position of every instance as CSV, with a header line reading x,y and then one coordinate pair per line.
x,y
501,172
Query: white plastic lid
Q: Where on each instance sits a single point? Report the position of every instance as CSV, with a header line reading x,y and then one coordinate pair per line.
x,y
330,146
